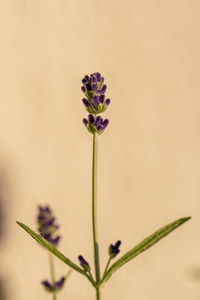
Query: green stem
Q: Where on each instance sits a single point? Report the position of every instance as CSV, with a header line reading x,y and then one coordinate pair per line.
x,y
52,273
108,263
98,293
91,277
94,210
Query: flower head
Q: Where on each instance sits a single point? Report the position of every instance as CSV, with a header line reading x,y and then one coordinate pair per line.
x,y
94,90
95,124
113,250
53,287
84,264
47,226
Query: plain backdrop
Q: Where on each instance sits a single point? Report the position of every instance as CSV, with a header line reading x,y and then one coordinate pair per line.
x,y
149,164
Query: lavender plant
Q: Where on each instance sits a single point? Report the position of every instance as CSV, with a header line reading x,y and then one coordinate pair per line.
x,y
95,102
48,228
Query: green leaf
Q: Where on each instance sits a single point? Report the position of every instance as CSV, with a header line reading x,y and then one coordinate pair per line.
x,y
53,250
144,245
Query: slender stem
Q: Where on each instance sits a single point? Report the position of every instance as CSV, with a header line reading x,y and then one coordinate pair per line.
x,y
91,277
94,210
98,293
107,266
52,272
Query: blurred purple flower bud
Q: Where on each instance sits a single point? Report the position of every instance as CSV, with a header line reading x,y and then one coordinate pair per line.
x,y
47,285
59,284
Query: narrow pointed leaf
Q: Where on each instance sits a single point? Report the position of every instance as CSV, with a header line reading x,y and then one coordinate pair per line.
x,y
144,245
53,250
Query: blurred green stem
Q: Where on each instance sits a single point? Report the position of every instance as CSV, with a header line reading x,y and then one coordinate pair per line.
x,y
52,273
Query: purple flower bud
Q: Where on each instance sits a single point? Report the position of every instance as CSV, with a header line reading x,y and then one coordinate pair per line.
x,y
94,88
98,77
85,122
99,123
84,264
83,89
96,100
105,123
55,241
47,285
97,74
107,102
113,250
59,283
91,118
103,90
101,98
94,79
88,86
84,81
86,102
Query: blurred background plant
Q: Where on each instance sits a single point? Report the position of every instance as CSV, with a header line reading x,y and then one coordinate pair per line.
x,y
48,228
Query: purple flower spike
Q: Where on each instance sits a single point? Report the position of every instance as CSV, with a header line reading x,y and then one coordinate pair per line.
x,y
113,250
95,124
84,264
47,226
94,90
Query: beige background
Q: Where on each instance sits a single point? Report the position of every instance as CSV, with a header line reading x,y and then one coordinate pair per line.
x,y
149,171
